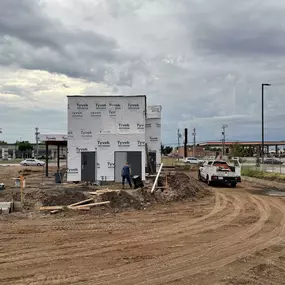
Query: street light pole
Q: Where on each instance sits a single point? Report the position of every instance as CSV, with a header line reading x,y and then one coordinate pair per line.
x,y
224,138
262,119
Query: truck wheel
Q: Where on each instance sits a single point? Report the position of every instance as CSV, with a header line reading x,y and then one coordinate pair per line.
x,y
209,182
233,185
199,176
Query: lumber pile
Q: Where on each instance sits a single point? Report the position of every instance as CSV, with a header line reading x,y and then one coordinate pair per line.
x,y
84,205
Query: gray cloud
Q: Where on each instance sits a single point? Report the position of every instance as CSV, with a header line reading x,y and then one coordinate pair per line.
x,y
204,61
32,40
245,29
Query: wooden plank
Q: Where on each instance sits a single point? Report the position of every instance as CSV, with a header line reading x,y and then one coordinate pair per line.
x,y
81,202
99,192
51,208
54,212
79,208
156,178
93,204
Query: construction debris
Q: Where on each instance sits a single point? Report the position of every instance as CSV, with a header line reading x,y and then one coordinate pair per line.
x,y
81,205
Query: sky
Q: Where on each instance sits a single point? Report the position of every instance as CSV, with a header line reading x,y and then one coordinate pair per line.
x,y
203,61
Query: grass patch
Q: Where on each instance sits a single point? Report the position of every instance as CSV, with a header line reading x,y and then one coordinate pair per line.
x,y
169,161
255,173
12,161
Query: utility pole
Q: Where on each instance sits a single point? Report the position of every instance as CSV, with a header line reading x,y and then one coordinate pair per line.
x,y
185,141
178,142
262,119
37,141
224,137
194,141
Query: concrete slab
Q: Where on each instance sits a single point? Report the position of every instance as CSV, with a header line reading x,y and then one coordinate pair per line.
x,y
6,207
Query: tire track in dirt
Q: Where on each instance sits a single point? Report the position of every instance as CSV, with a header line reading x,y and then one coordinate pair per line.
x,y
75,249
236,252
175,263
178,259
88,260
220,205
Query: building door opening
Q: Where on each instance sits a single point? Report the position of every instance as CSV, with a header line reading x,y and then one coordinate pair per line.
x,y
88,166
151,165
134,158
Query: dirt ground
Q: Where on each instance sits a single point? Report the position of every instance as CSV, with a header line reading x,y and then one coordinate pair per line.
x,y
235,236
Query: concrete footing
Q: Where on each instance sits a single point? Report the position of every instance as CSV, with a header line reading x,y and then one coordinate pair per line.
x,y
6,207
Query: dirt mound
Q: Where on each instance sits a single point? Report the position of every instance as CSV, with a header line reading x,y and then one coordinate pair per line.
x,y
123,200
182,186
62,197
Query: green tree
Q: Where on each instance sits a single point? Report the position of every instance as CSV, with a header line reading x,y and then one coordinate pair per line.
x,y
165,150
237,150
3,142
24,146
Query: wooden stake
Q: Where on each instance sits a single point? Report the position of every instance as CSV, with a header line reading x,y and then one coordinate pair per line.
x,y
81,202
21,188
51,208
92,205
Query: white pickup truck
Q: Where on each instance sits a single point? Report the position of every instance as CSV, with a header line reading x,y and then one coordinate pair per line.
x,y
219,171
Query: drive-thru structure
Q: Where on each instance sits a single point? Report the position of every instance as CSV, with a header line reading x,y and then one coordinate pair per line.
x,y
58,140
105,132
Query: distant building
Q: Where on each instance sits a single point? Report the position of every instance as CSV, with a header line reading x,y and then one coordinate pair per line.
x,y
13,148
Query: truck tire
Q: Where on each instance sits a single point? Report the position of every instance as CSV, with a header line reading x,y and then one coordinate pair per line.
x,y
233,184
209,182
199,176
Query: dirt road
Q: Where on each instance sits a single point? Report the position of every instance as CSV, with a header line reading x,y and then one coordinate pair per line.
x,y
234,237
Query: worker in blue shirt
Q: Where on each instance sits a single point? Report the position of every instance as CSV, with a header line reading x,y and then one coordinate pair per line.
x,y
126,174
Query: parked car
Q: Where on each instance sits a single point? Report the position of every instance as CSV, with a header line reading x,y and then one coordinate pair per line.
x,y
193,160
272,161
32,162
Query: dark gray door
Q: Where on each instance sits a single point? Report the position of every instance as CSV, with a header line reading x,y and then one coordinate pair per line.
x,y
88,166
134,158
120,161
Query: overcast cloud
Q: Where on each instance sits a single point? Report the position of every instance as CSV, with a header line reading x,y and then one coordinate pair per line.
x,y
203,61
